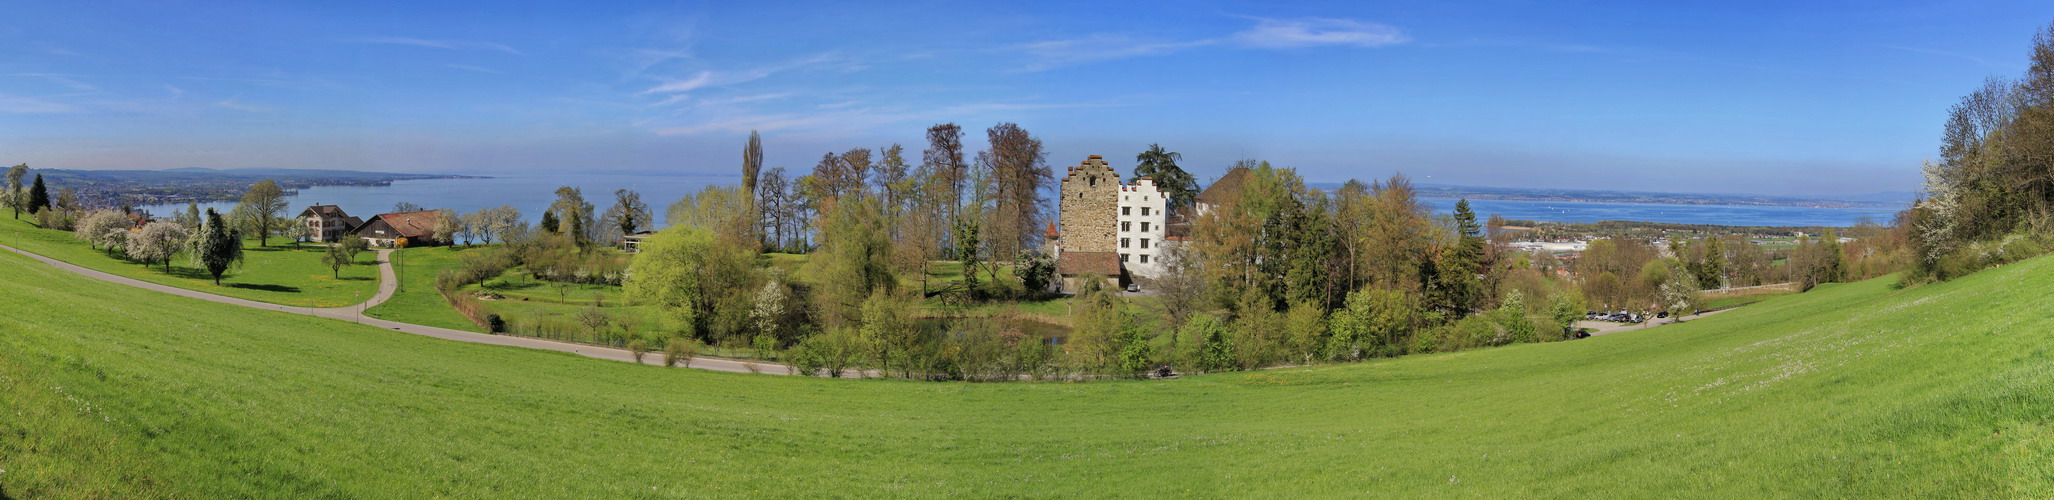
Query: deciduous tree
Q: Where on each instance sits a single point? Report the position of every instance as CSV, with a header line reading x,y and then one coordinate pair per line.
x,y
158,242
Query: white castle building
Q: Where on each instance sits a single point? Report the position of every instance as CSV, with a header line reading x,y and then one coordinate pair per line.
x,y
1143,214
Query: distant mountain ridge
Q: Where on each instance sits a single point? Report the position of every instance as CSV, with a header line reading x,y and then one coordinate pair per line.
x,y
1881,199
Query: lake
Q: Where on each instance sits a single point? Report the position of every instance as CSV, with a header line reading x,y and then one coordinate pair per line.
x,y
532,194
1728,215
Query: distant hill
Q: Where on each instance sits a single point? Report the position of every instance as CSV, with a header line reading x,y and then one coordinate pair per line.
x,y
1885,199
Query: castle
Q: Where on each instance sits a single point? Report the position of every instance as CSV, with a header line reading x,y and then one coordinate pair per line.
x,y
1108,228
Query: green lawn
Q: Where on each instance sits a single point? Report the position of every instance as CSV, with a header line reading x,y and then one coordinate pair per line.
x,y
278,274
1741,300
1856,390
417,301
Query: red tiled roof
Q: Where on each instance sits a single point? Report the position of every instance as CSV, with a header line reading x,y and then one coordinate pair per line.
x,y
411,224
1100,263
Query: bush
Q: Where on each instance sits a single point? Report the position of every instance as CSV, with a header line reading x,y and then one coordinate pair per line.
x,y
636,348
495,324
680,349
766,346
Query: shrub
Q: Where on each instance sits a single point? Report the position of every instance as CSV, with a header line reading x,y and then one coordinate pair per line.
x,y
680,349
636,348
495,324
766,346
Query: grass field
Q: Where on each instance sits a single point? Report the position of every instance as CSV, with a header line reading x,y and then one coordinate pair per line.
x,y
1854,390
278,274
417,301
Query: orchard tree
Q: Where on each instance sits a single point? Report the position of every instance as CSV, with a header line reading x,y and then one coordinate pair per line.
x,y
14,196
447,225
158,242
263,206
103,228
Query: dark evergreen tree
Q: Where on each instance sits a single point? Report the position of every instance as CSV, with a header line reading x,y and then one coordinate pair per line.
x,y
39,196
217,245
549,222
1161,166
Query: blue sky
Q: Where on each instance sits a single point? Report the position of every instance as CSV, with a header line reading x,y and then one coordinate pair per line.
x,y
1768,97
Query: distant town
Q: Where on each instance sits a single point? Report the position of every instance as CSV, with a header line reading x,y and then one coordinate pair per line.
x,y
129,188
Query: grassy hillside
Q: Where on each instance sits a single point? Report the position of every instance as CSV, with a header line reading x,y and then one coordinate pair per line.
x,y
416,301
279,274
1849,391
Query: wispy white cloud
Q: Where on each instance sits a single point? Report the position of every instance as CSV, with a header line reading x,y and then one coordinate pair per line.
x,y
702,79
1054,53
176,92
33,105
232,103
1266,34
750,98
62,79
442,44
1318,31
1957,55
710,78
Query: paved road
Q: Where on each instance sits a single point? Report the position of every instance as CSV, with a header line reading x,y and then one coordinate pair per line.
x,y
387,284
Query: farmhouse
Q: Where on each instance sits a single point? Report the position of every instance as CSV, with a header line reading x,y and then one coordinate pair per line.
x,y
328,223
407,229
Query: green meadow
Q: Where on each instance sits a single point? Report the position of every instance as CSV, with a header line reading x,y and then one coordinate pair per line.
x,y
279,274
1852,390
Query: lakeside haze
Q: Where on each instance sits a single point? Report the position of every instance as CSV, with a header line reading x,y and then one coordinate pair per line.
x,y
532,194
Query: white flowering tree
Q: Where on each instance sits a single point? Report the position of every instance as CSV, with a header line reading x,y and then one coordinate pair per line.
x,y
158,242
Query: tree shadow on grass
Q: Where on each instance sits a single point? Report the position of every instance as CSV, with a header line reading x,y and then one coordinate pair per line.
x,y
356,278
267,288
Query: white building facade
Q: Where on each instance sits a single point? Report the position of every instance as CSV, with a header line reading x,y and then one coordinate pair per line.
x,y
1143,214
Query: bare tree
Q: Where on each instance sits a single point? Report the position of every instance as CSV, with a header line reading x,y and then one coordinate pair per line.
x,y
944,156
1017,172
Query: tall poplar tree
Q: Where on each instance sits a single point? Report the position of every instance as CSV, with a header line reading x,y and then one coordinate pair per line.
x,y
752,161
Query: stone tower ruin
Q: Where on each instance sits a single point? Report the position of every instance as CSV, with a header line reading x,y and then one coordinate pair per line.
x,y
1091,194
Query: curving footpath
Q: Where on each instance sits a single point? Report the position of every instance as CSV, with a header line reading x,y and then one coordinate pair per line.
x,y
388,283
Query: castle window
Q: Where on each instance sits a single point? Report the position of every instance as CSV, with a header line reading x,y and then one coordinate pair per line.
x,y
1144,243
1093,180
1144,224
1123,258
1126,210
1144,258
1144,211
1126,226
1123,243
